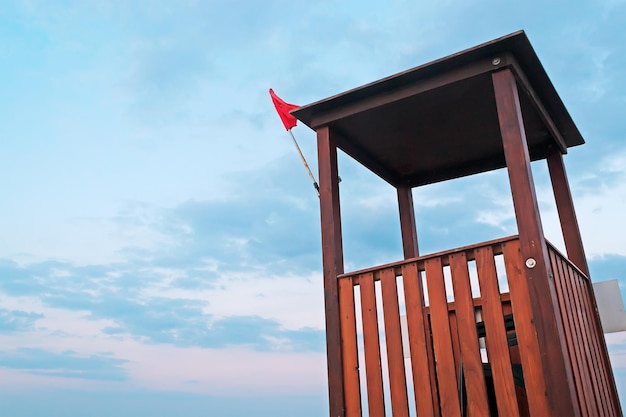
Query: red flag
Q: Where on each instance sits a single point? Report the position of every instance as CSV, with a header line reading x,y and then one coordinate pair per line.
x,y
283,110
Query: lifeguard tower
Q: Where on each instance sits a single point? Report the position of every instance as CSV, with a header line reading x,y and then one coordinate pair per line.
x,y
536,349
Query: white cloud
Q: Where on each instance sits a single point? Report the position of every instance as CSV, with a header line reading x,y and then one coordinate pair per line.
x,y
294,301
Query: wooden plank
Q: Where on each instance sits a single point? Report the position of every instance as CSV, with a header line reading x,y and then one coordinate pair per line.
x,y
407,222
332,259
442,340
567,214
456,348
522,400
431,362
550,334
469,251
572,329
393,338
350,352
496,339
423,373
476,391
371,347
534,379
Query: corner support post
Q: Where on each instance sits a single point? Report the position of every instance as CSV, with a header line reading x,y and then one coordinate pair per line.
x,y
561,394
332,258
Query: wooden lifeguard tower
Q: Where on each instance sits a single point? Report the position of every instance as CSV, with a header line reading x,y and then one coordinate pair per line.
x,y
488,107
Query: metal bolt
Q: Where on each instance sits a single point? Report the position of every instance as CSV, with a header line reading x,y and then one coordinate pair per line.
x,y
530,263
496,61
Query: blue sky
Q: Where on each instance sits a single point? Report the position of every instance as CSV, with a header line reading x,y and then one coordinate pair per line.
x,y
159,239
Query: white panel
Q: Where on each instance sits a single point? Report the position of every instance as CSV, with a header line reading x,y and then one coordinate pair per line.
x,y
610,306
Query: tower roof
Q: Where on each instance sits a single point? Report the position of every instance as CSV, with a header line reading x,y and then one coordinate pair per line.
x,y
439,121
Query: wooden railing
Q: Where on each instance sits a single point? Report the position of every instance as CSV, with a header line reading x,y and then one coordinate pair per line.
x,y
471,336
591,369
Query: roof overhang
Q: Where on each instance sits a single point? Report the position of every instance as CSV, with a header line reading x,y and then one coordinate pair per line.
x,y
439,121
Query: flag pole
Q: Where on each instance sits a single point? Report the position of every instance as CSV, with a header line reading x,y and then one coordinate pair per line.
x,y
308,170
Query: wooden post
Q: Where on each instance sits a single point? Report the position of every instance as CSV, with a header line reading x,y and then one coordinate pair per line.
x,y
565,208
332,257
407,222
576,252
550,334
410,247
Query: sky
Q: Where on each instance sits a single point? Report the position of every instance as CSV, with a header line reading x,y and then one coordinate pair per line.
x,y
160,245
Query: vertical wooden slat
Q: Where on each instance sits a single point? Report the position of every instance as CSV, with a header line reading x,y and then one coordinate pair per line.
x,y
454,334
418,345
496,340
371,347
446,375
572,334
550,335
350,356
332,259
393,338
476,391
431,362
534,379
407,222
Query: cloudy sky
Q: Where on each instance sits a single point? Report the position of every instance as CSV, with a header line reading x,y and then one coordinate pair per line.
x,y
159,240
